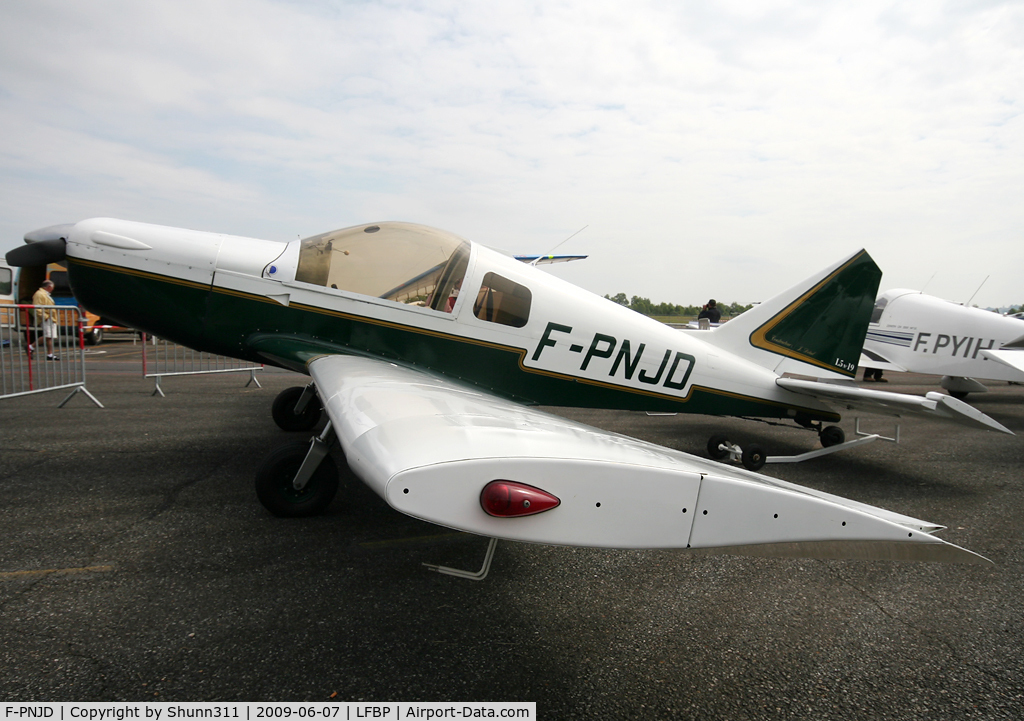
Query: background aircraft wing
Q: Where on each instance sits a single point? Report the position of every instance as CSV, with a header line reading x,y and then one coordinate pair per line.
x,y
429,446
546,259
897,404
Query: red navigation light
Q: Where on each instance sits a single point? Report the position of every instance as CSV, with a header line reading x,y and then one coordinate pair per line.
x,y
506,499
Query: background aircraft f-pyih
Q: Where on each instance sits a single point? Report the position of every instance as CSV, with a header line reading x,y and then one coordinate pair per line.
x,y
426,350
919,333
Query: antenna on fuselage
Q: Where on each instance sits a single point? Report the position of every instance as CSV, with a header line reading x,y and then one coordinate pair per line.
x,y
929,281
552,251
968,303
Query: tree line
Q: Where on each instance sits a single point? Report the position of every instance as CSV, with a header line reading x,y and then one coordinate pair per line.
x,y
645,306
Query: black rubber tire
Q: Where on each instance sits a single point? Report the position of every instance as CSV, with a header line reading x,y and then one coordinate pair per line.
x,y
713,446
283,410
274,483
959,395
94,336
753,457
831,436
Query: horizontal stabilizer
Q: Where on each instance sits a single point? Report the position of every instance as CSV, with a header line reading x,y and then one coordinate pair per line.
x,y
897,404
870,359
429,446
1013,357
1015,343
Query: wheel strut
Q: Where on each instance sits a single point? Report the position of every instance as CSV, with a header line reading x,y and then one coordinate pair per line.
x,y
298,479
319,446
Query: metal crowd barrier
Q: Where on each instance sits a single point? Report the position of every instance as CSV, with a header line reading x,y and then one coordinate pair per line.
x,y
162,358
26,364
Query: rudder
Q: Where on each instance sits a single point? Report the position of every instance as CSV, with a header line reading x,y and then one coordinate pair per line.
x,y
820,322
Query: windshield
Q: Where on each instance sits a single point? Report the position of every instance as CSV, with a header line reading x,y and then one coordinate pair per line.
x,y
402,262
876,313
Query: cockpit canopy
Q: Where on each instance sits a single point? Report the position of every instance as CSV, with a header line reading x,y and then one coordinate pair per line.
x,y
887,297
402,262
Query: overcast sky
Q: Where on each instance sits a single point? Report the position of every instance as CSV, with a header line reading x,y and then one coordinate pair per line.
x,y
724,149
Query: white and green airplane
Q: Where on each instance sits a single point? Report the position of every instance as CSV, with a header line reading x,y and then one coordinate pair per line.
x,y
430,354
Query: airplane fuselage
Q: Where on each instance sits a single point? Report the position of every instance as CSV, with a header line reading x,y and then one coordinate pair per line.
x,y
506,327
925,334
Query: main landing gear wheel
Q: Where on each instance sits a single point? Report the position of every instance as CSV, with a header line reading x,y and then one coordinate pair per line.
x,y
277,492
831,436
715,449
753,457
284,414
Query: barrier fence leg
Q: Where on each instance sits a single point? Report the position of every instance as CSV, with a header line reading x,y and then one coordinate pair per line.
x,y
81,389
158,389
252,379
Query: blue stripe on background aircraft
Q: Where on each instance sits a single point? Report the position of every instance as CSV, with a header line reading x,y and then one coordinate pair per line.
x,y
430,353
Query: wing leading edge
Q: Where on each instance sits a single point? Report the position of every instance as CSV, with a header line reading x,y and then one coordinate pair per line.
x,y
428,446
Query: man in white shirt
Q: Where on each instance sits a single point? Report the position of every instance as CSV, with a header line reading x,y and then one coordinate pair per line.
x,y
49,317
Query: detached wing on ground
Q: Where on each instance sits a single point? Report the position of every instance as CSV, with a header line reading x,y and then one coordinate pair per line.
x,y
429,446
854,397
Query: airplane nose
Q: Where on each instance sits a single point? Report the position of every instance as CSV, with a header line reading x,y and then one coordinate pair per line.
x,y
46,245
50,232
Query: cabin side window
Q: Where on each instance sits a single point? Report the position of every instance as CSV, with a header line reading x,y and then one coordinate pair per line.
x,y
6,281
401,262
503,301
876,314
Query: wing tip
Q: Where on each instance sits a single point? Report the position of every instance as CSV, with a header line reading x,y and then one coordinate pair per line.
x,y
935,550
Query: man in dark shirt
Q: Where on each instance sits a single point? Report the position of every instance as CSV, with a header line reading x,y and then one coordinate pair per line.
x,y
711,312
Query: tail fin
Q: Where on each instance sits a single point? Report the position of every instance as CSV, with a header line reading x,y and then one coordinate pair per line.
x,y
817,325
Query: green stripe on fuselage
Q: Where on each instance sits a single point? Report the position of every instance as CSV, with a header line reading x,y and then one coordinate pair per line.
x,y
258,329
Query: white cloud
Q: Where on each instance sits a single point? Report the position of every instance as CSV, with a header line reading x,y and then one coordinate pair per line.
x,y
713,149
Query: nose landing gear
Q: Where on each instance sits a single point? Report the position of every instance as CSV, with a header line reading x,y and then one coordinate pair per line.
x,y
297,408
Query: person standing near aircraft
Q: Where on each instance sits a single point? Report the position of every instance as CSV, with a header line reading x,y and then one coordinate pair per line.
x,y
49,317
874,374
711,312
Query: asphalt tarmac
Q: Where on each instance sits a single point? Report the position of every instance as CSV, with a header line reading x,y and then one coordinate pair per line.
x,y
136,564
